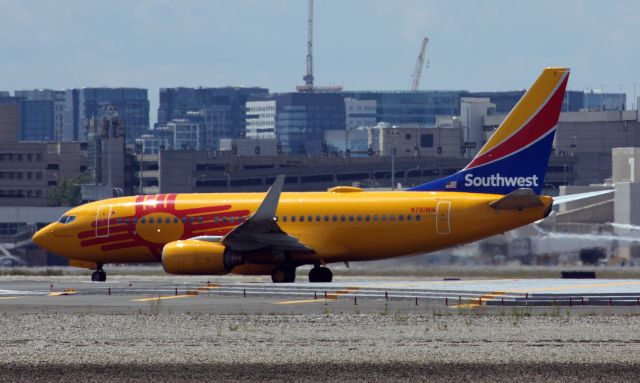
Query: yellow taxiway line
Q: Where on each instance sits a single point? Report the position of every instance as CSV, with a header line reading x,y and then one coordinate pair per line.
x,y
62,293
327,297
20,296
303,301
163,297
477,302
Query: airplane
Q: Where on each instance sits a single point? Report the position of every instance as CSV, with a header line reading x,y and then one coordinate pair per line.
x,y
273,233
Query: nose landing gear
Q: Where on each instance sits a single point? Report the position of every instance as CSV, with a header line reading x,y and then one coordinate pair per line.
x,y
99,275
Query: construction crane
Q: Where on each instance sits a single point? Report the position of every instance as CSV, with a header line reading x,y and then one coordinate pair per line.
x,y
308,85
417,74
308,78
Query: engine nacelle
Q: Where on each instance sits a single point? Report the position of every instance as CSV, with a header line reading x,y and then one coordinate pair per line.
x,y
195,257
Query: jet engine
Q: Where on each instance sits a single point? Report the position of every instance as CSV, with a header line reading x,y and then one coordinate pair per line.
x,y
196,257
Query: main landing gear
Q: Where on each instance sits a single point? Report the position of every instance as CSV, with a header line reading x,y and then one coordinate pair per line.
x,y
99,275
284,274
320,274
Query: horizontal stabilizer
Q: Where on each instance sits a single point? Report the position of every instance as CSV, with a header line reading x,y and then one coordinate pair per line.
x,y
517,200
576,197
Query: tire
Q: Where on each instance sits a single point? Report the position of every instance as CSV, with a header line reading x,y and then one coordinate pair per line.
x,y
327,275
320,275
99,276
284,275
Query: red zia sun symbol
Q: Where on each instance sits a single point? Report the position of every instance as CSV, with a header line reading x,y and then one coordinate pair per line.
x,y
157,222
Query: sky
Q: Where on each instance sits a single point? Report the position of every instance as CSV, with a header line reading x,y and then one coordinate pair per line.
x,y
359,44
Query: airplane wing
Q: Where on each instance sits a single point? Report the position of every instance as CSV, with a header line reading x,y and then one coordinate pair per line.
x,y
576,197
261,230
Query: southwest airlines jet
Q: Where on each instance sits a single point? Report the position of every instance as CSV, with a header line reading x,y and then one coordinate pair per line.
x,y
274,233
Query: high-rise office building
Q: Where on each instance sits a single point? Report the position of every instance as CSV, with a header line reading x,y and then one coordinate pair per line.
x,y
415,108
131,104
261,119
221,111
42,117
301,119
36,121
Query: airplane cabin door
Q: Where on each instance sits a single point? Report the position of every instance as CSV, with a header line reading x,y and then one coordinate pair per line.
x,y
443,214
103,220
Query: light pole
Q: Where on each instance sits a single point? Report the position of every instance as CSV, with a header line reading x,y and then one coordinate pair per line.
x,y
393,168
140,175
228,181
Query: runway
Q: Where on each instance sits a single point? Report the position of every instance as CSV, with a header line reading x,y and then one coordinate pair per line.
x,y
180,294
175,329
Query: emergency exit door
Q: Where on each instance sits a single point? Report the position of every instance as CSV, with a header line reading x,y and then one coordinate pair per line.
x,y
103,220
443,215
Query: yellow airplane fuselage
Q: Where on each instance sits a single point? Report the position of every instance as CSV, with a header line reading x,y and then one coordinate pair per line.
x,y
340,225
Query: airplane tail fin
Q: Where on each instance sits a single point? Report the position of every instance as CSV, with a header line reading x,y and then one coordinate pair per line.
x,y
517,153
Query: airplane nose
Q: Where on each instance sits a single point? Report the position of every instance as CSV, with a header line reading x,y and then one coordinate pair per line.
x,y
40,237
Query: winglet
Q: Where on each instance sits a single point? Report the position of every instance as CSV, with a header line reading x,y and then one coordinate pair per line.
x,y
517,200
269,205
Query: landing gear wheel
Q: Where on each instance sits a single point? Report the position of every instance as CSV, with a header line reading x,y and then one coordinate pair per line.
x,y
320,274
284,274
99,276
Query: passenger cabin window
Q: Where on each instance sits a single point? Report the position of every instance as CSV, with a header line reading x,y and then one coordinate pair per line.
x,y
359,218
418,218
392,217
375,217
143,220
326,218
409,217
167,220
367,218
335,218
302,218
343,218
400,217
293,218
351,218
310,218
284,218
384,217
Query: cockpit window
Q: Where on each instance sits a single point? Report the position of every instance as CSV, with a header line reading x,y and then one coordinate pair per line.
x,y
67,219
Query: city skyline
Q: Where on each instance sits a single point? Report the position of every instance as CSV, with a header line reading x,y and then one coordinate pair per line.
x,y
357,44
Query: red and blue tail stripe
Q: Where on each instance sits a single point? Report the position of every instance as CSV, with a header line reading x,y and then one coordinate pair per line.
x,y
517,154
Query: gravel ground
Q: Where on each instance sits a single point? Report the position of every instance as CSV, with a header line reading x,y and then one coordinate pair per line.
x,y
321,347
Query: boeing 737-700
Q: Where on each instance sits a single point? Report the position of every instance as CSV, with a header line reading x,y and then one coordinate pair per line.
x,y
274,233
